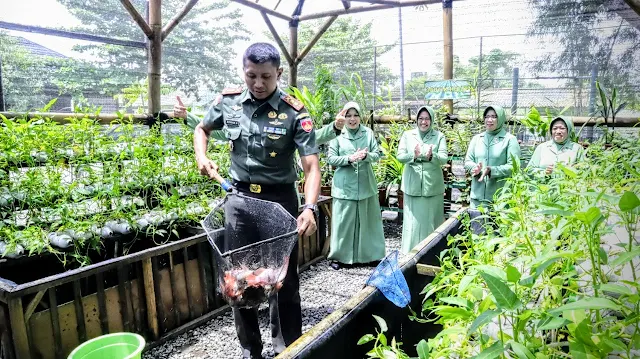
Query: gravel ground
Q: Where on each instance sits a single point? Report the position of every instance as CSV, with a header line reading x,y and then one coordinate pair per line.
x,y
322,289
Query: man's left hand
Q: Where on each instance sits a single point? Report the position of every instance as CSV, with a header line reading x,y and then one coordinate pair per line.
x,y
306,223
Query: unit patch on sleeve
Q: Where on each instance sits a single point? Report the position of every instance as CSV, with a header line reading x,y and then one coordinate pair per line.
x,y
307,124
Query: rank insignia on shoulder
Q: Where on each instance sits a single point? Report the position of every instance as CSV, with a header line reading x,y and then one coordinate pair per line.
x,y
236,107
272,114
232,91
293,102
302,115
217,100
307,124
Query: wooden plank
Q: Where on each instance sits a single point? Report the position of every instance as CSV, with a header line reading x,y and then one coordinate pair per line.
x,y
315,38
55,322
150,297
322,238
140,306
428,270
187,284
205,282
77,302
159,312
306,249
19,329
174,290
359,9
102,303
5,337
32,305
278,39
122,298
69,276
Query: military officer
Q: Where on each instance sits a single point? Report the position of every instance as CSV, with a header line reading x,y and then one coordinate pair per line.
x,y
264,126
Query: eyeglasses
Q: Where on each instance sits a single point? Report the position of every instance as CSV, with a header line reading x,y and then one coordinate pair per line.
x,y
491,116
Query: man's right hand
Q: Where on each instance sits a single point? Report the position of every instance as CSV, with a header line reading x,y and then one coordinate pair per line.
x,y
207,167
179,109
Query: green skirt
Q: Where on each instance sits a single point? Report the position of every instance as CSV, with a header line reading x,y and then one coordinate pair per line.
x,y
356,231
421,216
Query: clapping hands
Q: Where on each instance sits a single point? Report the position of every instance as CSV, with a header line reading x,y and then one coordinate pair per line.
x,y
359,155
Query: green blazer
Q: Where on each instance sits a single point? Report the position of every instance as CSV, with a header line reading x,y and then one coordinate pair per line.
x,y
422,177
354,181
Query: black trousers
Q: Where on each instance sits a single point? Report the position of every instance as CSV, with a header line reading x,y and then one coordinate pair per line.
x,y
284,307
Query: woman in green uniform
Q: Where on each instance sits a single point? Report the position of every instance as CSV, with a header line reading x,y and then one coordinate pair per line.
x,y
559,149
357,235
423,150
489,157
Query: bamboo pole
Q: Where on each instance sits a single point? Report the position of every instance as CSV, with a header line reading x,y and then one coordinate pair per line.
x,y
447,15
19,329
358,9
273,31
634,4
137,17
155,55
293,46
315,38
173,22
346,4
263,9
150,297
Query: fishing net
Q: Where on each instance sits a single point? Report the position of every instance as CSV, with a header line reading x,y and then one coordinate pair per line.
x,y
388,278
252,240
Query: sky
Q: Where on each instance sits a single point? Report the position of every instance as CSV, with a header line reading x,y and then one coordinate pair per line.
x,y
471,19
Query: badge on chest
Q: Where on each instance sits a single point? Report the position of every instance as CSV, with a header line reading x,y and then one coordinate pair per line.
x,y
274,133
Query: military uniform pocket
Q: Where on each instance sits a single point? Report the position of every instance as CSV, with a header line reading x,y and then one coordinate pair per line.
x,y
273,141
232,133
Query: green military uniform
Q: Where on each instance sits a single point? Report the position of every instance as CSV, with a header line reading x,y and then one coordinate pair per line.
x,y
422,183
263,135
496,149
551,152
326,134
357,235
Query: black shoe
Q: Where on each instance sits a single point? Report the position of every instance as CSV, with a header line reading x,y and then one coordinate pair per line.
x,y
335,265
247,355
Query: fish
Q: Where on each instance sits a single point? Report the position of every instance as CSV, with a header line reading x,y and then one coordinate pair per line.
x,y
266,280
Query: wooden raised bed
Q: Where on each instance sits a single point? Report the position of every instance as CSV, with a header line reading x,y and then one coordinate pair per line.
x,y
158,292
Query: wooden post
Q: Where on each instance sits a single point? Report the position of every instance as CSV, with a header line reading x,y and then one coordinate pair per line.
x,y
155,55
19,329
448,45
293,52
150,296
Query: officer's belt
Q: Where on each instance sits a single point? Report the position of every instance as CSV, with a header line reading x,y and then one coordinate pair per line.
x,y
262,188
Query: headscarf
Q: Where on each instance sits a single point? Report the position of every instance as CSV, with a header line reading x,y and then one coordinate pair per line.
x,y
502,118
432,114
352,105
570,130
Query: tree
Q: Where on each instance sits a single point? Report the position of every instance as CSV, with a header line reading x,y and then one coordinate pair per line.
x,y
196,57
590,32
347,47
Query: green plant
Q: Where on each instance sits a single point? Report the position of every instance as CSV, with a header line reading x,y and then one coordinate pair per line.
x,y
383,349
541,282
609,108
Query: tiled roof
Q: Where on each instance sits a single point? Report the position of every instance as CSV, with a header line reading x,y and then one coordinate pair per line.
x,y
37,49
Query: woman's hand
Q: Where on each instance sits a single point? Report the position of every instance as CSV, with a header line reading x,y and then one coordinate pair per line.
x,y
340,119
549,169
416,151
476,170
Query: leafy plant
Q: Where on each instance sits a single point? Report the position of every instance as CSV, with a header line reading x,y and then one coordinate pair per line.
x,y
385,350
609,108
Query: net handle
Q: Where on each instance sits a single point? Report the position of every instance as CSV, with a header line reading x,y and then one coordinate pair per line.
x,y
261,242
